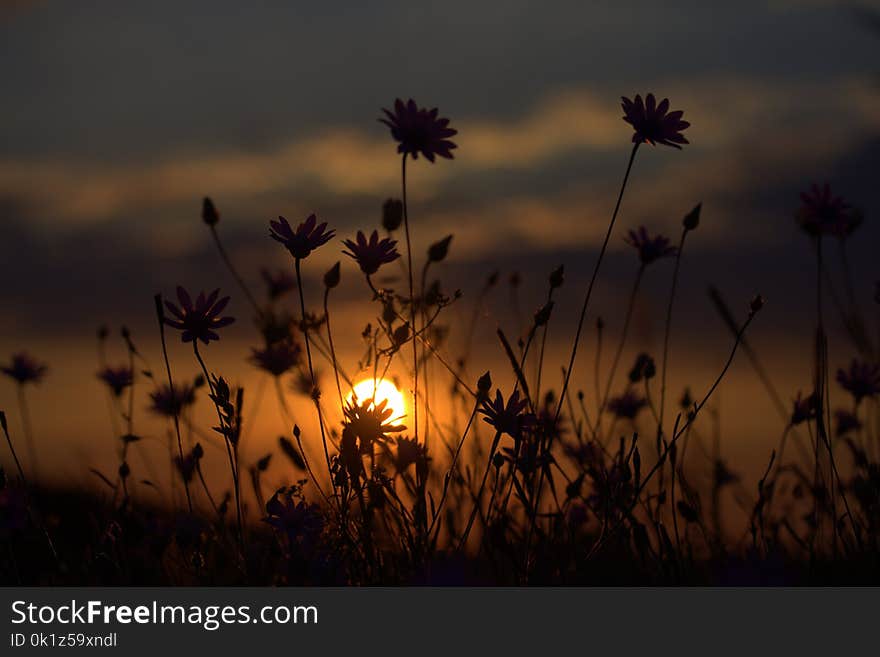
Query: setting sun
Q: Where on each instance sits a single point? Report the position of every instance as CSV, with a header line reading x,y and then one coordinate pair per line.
x,y
384,390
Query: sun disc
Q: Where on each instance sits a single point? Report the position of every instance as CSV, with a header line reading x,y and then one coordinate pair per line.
x,y
384,390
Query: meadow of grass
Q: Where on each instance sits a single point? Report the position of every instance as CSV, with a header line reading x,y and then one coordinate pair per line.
x,y
571,475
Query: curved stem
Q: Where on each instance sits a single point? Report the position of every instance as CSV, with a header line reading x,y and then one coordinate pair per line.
x,y
623,334
667,330
315,397
577,336
28,431
238,279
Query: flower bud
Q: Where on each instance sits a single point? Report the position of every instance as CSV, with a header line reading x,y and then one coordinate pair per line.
x,y
484,384
557,277
331,278
543,315
392,214
756,304
209,213
692,218
439,250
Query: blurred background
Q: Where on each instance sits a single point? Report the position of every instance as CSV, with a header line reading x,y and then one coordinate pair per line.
x,y
117,118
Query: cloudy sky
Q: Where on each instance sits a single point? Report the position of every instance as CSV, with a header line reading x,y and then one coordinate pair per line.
x,y
117,118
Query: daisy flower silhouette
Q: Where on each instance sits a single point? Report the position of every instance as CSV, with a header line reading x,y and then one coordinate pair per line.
x,y
307,237
649,248
168,402
419,130
116,378
372,254
862,380
627,405
505,418
25,369
824,213
277,358
654,123
198,321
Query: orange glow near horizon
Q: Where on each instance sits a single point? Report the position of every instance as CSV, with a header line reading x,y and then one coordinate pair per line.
x,y
384,390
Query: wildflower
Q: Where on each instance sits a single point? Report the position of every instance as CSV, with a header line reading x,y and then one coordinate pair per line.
x,y
410,452
277,358
862,380
804,408
644,368
392,214
25,369
116,378
823,213
505,418
307,237
279,283
557,277
419,130
188,465
372,254
199,321
846,422
370,422
170,403
292,515
654,123
650,248
275,326
627,405
756,304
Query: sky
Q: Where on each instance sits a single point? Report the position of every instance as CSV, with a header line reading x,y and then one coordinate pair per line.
x,y
117,118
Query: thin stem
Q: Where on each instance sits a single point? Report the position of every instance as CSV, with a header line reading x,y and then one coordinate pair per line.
x,y
314,394
332,348
238,279
623,335
233,461
667,330
160,315
412,303
479,494
577,336
28,430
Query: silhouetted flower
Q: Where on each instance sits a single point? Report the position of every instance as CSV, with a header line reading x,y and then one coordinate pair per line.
x,y
649,248
644,368
846,422
188,465
168,403
279,283
823,213
276,326
209,213
654,123
803,409
419,130
370,423
331,278
300,521
199,321
116,378
410,451
627,405
307,237
862,380
505,418
372,254
25,369
278,357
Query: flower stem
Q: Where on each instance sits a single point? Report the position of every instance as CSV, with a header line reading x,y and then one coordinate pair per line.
x,y
232,270
233,461
589,293
315,397
667,330
623,334
412,303
28,431
160,315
